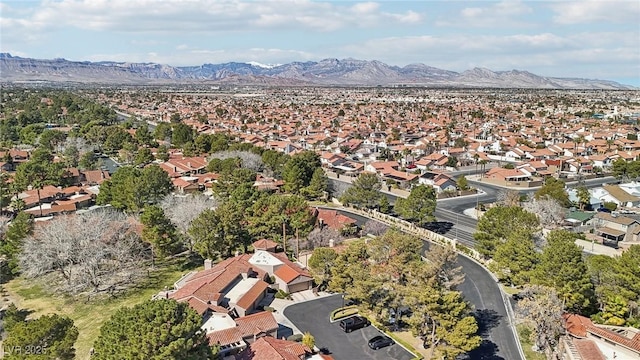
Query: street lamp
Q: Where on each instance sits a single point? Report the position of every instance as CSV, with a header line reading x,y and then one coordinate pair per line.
x,y
342,296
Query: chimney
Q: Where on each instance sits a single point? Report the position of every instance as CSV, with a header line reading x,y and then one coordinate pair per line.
x,y
331,243
207,264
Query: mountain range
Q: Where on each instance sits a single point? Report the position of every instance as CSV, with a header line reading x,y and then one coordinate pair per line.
x,y
326,72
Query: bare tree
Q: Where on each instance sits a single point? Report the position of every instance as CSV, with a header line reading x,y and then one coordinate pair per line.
x,y
549,211
375,228
508,197
320,238
76,142
98,250
182,210
541,307
249,160
444,261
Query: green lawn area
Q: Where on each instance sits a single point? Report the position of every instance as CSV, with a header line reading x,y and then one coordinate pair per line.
x,y
88,316
523,334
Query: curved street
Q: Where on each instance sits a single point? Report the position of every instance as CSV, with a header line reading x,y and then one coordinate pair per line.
x,y
482,291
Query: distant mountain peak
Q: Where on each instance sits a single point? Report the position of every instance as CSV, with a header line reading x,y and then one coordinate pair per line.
x,y
329,71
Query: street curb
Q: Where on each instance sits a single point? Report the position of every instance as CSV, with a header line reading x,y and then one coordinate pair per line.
x,y
507,305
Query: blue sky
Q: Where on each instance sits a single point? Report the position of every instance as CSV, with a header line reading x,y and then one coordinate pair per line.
x,y
590,39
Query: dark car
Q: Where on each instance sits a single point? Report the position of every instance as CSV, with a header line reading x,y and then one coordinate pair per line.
x,y
353,323
380,341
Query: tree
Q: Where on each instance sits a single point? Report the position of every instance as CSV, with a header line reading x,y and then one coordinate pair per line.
x,y
584,197
143,136
159,231
384,206
496,224
516,258
97,251
543,309
318,185
144,156
39,171
374,228
308,340
88,161
47,337
619,168
548,211
462,183
365,192
452,161
554,189
320,237
131,188
321,262
298,171
273,212
419,206
508,197
20,228
13,316
181,211
218,232
154,330
163,153
562,268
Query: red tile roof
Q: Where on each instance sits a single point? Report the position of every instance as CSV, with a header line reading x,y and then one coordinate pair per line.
x,y
588,349
264,244
286,273
579,326
274,349
333,219
225,337
254,324
252,295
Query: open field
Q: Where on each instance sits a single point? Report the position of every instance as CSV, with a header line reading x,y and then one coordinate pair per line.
x,y
88,316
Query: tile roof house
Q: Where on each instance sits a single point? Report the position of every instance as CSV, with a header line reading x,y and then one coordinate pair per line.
x,y
332,219
587,341
275,349
233,335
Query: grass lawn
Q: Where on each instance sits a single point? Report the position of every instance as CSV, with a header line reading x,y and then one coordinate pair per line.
x,y
510,290
529,354
89,316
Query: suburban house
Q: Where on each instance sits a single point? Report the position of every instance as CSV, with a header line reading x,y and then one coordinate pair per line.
x,y
277,349
614,229
332,219
234,335
588,341
616,194
439,181
507,176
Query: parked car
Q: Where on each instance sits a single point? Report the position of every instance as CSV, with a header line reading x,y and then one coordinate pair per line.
x,y
402,310
380,341
353,323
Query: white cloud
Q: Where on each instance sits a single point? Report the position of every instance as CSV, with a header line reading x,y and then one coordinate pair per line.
x,y
501,14
208,16
594,11
580,54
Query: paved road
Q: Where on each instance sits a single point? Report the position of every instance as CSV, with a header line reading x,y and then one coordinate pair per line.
x,y
482,291
313,316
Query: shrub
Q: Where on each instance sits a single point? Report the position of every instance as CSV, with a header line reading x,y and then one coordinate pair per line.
x,y
281,294
269,309
295,337
344,312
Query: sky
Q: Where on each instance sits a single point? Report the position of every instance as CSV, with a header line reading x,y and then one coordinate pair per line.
x,y
588,39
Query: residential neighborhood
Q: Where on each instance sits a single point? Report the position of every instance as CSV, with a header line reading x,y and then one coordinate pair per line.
x,y
232,200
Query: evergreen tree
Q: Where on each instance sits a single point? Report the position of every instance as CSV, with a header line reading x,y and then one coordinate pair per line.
x,y
496,224
516,258
11,245
318,185
419,207
153,330
554,189
562,268
47,337
159,232
365,192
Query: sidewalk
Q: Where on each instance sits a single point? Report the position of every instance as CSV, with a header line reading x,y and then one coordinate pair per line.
x,y
593,247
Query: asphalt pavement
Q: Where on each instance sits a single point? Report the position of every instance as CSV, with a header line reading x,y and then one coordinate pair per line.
x,y
313,316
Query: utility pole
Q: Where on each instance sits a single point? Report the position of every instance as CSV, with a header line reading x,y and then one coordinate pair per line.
x,y
284,237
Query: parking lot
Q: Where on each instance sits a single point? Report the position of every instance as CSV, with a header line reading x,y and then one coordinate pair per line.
x,y
313,316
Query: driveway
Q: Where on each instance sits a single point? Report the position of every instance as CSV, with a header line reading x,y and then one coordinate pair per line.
x,y
313,316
